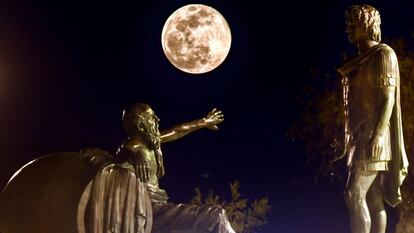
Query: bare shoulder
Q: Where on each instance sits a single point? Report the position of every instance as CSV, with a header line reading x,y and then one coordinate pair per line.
x,y
130,149
132,144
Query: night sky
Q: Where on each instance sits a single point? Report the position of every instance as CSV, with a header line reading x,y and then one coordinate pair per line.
x,y
68,68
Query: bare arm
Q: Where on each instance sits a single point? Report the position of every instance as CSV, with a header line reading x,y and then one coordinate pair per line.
x,y
388,98
210,121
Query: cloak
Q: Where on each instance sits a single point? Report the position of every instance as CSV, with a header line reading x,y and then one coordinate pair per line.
x,y
398,166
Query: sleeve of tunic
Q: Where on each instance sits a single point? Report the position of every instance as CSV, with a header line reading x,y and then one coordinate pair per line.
x,y
387,67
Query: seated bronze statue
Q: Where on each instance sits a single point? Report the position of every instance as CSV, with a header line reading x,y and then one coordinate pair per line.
x,y
96,191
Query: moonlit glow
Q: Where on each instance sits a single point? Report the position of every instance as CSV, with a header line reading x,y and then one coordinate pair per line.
x,y
196,38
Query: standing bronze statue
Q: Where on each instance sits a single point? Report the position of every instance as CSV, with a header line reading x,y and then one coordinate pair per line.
x,y
374,140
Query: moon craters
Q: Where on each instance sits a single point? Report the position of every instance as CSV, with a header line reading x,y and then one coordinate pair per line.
x,y
196,38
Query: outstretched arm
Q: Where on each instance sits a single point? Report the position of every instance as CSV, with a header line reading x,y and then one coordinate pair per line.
x,y
213,118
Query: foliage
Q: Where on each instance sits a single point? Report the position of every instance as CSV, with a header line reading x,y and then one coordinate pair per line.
x,y
244,217
321,124
405,50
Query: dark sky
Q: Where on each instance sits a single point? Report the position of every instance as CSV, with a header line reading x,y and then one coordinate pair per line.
x,y
68,68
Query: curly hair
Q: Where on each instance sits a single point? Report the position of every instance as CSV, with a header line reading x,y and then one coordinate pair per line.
x,y
132,116
367,17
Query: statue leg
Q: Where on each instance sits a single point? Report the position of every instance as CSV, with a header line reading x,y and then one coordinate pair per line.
x,y
355,196
375,202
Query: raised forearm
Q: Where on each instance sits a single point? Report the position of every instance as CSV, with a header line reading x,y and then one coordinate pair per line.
x,y
181,130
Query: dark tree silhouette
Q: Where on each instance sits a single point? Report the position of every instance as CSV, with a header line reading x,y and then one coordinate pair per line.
x,y
244,216
320,126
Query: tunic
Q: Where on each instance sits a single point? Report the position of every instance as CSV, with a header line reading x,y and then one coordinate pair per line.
x,y
363,77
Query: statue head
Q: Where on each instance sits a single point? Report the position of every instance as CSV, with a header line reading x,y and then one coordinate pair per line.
x,y
140,120
363,21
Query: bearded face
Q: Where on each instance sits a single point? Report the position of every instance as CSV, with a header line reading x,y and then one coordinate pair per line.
x,y
151,134
148,128
140,120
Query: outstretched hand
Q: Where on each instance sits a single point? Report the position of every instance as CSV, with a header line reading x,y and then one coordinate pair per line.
x,y
213,118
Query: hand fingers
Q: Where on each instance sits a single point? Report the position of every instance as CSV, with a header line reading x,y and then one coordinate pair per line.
x,y
138,173
215,114
376,151
218,119
212,127
141,173
147,171
379,152
219,116
218,113
372,148
144,175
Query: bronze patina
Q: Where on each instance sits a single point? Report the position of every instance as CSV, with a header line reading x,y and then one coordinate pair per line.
x,y
96,191
142,149
374,142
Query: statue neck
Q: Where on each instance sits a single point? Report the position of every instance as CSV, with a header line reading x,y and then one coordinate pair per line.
x,y
365,45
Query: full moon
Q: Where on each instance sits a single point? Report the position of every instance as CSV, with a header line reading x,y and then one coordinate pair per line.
x,y
196,38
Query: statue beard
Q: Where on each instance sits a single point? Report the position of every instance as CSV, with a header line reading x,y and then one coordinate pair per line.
x,y
152,136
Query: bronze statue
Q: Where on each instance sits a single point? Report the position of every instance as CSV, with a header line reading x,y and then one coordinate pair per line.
x,y
96,191
142,148
374,141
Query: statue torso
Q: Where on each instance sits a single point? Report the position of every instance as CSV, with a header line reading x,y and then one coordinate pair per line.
x,y
363,98
370,72
138,148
